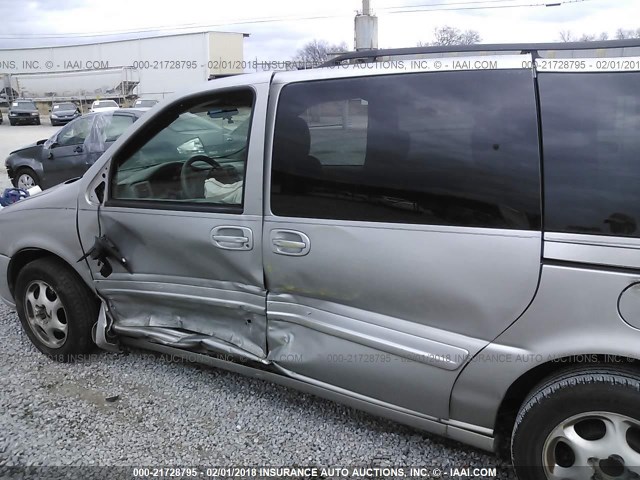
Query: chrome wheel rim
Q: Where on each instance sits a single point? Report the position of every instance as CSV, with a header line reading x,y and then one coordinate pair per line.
x,y
26,181
45,314
600,445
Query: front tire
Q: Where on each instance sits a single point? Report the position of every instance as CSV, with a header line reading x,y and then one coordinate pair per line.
x,y
584,423
25,178
56,309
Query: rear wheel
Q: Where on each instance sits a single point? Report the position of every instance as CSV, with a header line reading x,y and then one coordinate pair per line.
x,y
56,309
582,424
25,178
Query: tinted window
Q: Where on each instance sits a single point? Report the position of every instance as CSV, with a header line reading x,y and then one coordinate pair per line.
x,y
454,148
591,131
198,157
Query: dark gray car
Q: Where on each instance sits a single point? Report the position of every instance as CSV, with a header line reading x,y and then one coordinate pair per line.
x,y
70,152
24,112
63,113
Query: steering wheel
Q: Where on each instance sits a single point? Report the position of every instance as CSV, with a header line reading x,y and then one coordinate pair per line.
x,y
190,188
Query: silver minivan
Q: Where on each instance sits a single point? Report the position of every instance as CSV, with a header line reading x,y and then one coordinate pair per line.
x,y
451,242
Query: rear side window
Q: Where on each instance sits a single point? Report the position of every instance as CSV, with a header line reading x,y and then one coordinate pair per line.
x,y
116,126
591,132
450,148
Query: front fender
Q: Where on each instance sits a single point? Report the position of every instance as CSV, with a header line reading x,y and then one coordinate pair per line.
x,y
25,159
46,222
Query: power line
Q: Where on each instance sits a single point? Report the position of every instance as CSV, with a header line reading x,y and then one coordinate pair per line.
x,y
493,7
445,4
190,26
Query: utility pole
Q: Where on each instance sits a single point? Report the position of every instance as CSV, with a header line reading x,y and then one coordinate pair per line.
x,y
366,28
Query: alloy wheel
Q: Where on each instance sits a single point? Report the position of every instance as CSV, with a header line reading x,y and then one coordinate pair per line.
x,y
599,445
46,314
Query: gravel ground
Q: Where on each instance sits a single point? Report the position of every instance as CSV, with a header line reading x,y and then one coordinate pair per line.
x,y
185,414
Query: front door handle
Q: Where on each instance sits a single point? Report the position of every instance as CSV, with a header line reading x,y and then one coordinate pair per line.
x,y
290,242
78,149
232,238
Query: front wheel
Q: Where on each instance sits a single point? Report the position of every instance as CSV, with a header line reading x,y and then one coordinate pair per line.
x,y
25,178
584,423
56,309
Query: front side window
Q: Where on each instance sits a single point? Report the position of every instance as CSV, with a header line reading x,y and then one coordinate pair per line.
x,y
590,126
76,132
449,148
198,156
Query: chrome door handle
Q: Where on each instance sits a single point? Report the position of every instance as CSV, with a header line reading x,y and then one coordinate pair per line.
x,y
290,242
232,238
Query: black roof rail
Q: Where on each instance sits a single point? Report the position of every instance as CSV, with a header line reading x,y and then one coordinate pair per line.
x,y
480,47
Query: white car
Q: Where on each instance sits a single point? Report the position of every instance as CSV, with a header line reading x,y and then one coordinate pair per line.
x,y
104,106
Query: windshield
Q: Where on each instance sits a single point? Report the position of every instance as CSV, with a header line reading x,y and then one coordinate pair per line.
x,y
64,106
145,103
29,105
104,103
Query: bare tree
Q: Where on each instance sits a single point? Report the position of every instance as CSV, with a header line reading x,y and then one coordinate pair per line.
x,y
621,34
588,37
566,36
316,52
452,36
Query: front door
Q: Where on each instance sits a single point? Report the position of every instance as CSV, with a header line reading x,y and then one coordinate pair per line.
x,y
183,206
402,233
66,155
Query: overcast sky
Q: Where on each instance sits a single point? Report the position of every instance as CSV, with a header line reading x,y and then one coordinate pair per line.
x,y
50,22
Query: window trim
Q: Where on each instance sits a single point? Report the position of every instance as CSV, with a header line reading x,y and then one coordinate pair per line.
x,y
158,123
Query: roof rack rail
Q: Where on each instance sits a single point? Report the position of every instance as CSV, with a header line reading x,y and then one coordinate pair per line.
x,y
372,55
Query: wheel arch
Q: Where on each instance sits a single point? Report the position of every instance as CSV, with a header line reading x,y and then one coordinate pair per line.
x,y
28,255
522,386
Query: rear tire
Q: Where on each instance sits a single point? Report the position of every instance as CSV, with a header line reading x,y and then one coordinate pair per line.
x,y
25,178
57,310
582,423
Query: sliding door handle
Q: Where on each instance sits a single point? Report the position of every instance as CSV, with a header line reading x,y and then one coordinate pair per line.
x,y
290,242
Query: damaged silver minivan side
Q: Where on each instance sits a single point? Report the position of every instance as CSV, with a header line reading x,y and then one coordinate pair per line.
x,y
450,243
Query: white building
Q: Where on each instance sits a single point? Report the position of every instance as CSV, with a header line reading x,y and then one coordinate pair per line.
x,y
147,67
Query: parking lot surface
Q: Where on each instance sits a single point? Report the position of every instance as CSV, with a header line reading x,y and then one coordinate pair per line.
x,y
18,136
167,412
